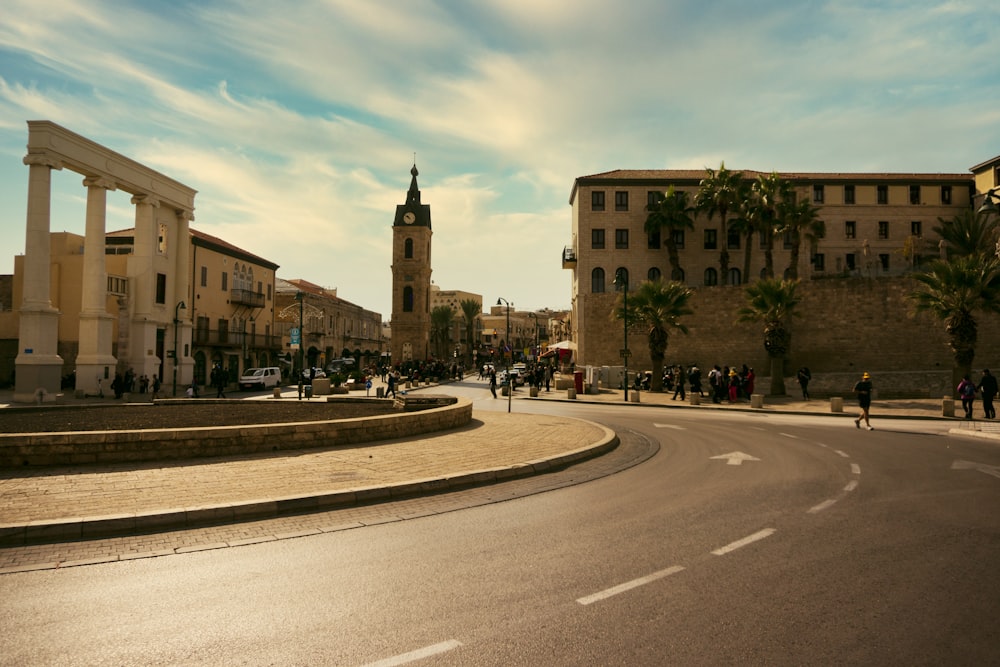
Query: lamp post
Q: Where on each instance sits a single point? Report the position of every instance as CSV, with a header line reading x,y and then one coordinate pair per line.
x,y
621,282
177,322
989,205
301,298
510,385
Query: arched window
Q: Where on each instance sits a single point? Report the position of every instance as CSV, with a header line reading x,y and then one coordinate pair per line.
x,y
408,249
711,277
621,274
734,277
407,298
653,274
677,274
597,281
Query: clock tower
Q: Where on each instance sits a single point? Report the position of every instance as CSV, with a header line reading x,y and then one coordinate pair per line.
x,y
411,278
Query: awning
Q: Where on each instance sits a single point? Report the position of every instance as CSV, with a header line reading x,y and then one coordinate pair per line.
x,y
563,345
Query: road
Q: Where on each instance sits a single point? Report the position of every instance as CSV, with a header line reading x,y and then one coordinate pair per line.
x,y
747,538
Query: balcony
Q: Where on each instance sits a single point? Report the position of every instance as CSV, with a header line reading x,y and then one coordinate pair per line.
x,y
235,339
568,258
245,297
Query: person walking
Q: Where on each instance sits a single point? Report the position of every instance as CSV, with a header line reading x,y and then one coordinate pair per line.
x,y
219,381
391,385
156,387
988,390
493,382
967,392
679,387
863,390
803,377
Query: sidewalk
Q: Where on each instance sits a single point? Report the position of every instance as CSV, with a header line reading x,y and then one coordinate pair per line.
x,y
47,504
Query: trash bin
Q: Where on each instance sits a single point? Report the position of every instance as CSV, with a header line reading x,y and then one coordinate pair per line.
x,y
380,392
309,391
578,381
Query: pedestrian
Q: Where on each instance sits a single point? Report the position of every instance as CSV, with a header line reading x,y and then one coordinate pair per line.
x,y
391,386
749,381
493,382
967,392
681,375
118,385
734,385
548,377
694,377
803,377
988,390
715,383
219,381
156,387
863,390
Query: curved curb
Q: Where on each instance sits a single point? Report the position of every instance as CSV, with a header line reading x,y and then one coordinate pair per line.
x,y
183,518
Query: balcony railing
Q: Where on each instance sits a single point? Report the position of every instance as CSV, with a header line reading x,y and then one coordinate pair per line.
x,y
568,257
245,297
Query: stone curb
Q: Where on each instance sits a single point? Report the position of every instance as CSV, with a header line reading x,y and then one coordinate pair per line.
x,y
117,525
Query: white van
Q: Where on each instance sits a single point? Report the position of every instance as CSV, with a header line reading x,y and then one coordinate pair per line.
x,y
260,378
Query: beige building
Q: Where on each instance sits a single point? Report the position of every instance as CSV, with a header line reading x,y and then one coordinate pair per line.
x,y
458,344
331,327
877,225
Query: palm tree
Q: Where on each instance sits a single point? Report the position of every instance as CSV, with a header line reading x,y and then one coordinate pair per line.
x,y
773,302
441,319
745,223
969,233
719,192
658,306
471,310
673,212
769,194
800,220
954,291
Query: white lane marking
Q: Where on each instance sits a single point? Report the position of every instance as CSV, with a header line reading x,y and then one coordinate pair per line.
x,y
629,585
419,654
855,469
749,539
735,458
789,435
822,506
853,484
674,426
842,454
972,465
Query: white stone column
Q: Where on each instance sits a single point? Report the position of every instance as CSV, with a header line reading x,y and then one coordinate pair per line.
x,y
137,350
38,366
182,273
94,361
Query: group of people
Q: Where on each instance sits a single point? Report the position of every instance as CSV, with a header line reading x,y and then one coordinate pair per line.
x,y
126,383
987,390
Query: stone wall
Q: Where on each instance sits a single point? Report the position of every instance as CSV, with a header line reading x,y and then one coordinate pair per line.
x,y
847,326
73,448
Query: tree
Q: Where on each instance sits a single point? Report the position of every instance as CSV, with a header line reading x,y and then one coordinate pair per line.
x,y
800,220
471,310
441,319
671,213
769,196
720,192
954,291
658,306
745,224
773,302
969,233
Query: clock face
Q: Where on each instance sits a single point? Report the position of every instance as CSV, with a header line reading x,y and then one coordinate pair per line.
x,y
408,217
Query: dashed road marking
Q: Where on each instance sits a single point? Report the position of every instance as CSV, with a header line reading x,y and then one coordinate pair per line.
x,y
749,539
629,585
419,654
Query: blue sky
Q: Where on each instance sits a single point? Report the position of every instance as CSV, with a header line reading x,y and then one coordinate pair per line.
x,y
297,122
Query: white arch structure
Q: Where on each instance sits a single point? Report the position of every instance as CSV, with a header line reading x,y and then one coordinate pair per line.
x,y
163,210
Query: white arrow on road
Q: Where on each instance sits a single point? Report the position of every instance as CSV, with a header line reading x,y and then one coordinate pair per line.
x,y
736,458
981,467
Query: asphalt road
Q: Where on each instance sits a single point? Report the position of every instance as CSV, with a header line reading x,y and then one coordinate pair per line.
x,y
807,542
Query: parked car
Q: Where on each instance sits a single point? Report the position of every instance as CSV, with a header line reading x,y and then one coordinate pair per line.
x,y
515,377
308,375
260,378
340,365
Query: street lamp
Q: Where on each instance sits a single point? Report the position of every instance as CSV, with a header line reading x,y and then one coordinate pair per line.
x,y
621,282
177,322
510,385
989,205
301,298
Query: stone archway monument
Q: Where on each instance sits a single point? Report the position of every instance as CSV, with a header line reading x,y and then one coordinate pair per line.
x,y
158,273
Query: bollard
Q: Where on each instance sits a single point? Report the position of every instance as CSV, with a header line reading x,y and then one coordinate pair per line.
x,y
534,392
836,404
380,392
633,397
695,399
756,400
571,392
504,390
947,407
276,393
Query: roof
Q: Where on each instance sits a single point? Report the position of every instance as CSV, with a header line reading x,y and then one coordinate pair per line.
x,y
694,176
215,243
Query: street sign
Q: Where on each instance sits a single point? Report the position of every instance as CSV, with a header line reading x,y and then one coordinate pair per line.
x,y
295,336
624,354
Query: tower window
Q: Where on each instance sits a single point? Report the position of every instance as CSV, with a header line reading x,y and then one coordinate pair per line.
x,y
407,299
408,249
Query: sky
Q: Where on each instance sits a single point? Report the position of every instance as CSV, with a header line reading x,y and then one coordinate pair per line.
x,y
298,122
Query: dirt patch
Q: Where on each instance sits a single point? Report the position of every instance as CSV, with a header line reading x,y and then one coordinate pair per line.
x,y
128,416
